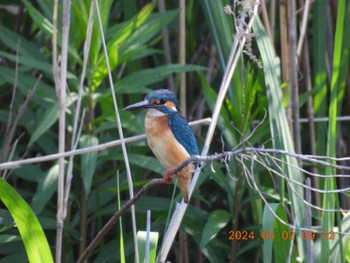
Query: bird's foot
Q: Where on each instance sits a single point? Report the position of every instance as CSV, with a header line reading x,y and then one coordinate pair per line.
x,y
168,178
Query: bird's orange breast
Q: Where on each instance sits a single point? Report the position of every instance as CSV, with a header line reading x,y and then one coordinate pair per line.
x,y
162,141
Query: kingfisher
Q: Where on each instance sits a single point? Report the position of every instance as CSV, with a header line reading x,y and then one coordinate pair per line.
x,y
169,136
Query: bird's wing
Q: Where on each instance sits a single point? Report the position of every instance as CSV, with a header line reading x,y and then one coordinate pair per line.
x,y
183,133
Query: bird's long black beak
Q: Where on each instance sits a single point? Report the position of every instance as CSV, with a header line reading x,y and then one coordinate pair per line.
x,y
139,105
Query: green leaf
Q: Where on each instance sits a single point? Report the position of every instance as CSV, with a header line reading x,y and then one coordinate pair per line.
x,y
217,220
101,71
131,26
319,45
44,94
340,245
32,234
145,77
276,235
339,76
45,123
46,188
136,82
224,122
49,118
42,22
136,43
10,40
220,28
33,62
121,236
8,239
29,172
224,181
153,241
88,161
147,162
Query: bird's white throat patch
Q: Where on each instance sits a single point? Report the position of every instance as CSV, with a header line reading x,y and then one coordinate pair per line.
x,y
155,113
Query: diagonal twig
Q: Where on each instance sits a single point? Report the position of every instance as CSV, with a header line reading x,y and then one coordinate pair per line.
x,y
94,243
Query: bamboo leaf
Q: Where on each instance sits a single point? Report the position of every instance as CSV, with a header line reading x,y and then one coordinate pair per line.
x,y
42,22
10,40
30,61
100,71
320,101
136,43
217,220
136,82
46,188
88,161
32,234
141,78
278,235
268,227
220,28
49,118
147,162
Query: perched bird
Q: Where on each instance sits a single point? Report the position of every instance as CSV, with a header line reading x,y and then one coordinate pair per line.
x,y
169,136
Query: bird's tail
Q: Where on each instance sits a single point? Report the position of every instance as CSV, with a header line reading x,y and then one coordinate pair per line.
x,y
184,178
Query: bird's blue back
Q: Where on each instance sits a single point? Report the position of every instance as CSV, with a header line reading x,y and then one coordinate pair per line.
x,y
183,132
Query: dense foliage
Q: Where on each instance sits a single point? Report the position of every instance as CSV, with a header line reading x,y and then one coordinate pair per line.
x,y
271,103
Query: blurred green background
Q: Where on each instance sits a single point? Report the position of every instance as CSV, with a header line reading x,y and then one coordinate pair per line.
x,y
144,45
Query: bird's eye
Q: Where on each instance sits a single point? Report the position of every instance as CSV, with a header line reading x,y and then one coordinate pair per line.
x,y
162,101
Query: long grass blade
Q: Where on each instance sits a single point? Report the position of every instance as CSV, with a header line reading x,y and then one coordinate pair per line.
x,y
340,62
32,234
279,128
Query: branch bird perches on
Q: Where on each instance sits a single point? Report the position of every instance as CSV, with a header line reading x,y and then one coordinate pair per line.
x,y
248,153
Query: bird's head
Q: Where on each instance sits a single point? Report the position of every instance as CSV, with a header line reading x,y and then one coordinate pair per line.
x,y
162,101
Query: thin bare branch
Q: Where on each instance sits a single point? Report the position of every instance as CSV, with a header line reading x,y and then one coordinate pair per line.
x,y
5,174
279,172
75,136
240,156
100,147
303,27
230,154
249,175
